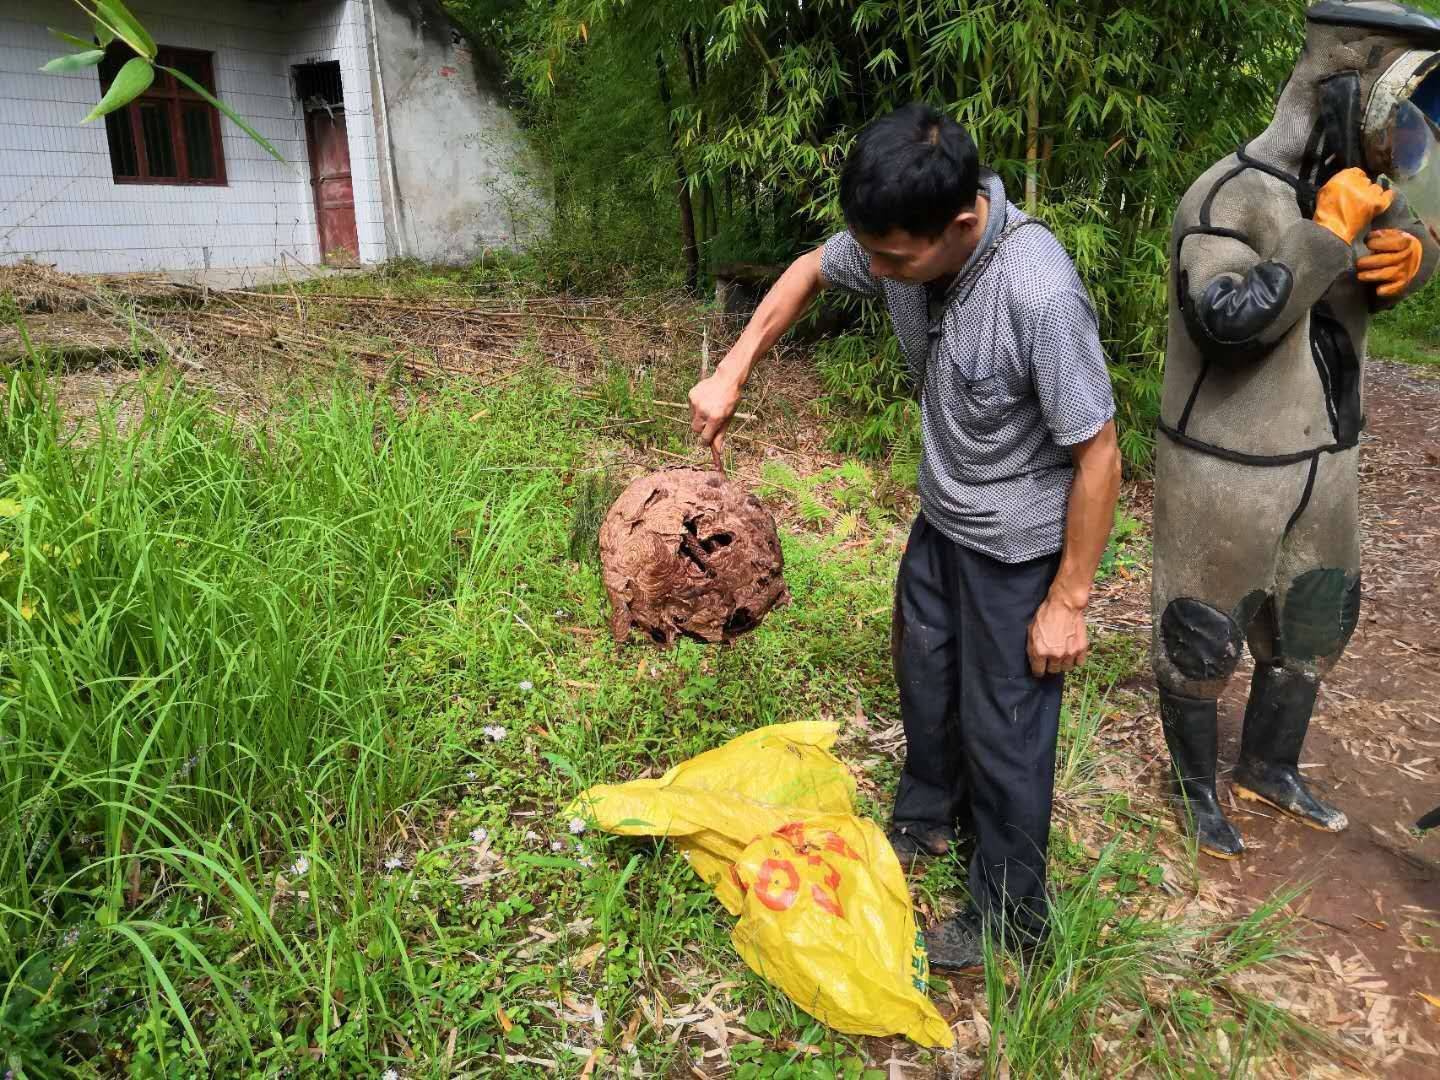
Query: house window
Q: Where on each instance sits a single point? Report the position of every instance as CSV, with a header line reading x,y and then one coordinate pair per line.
x,y
169,134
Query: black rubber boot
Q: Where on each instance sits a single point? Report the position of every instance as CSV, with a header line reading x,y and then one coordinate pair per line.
x,y
1191,731
1276,719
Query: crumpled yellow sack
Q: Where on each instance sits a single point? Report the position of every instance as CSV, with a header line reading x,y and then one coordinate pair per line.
x,y
824,913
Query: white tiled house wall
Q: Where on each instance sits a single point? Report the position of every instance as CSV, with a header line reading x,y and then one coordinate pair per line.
x,y
59,203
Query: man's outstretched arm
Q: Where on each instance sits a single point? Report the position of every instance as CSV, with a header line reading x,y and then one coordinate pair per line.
x,y
713,401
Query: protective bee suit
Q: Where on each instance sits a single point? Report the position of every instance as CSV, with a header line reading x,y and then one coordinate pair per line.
x,y
1281,253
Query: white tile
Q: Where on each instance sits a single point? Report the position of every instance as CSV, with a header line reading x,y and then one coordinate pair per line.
x,y
59,200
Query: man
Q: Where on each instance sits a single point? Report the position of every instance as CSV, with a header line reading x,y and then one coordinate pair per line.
x,y
1018,480
1281,252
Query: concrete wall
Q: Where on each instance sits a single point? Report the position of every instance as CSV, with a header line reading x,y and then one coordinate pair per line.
x,y
464,180
59,203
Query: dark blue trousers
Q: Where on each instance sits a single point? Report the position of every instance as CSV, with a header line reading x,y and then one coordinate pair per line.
x,y
980,730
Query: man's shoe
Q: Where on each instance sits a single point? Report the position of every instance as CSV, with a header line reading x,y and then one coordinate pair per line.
x,y
913,848
957,943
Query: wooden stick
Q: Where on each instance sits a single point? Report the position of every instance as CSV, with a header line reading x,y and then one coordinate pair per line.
x,y
453,310
683,405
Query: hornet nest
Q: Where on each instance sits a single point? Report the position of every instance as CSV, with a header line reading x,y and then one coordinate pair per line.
x,y
687,552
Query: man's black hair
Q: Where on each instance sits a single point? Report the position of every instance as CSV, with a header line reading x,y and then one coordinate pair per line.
x,y
914,169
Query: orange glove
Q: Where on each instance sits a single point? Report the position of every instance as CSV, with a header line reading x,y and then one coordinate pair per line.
x,y
1395,263
1348,202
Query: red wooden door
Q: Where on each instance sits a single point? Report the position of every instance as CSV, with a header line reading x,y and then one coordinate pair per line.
x,y
330,178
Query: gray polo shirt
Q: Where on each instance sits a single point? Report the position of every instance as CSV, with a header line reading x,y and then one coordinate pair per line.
x,y
1011,374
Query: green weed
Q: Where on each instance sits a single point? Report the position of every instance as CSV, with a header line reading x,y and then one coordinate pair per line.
x,y
289,718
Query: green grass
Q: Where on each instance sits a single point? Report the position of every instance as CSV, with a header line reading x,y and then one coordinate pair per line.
x,y
1409,332
1112,990
1392,343
262,812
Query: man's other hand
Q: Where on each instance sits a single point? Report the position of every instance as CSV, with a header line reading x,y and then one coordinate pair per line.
x,y
1058,641
712,403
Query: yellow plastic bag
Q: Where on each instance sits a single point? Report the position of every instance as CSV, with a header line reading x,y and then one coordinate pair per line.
x,y
824,913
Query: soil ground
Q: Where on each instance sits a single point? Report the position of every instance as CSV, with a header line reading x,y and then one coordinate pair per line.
x,y
1371,904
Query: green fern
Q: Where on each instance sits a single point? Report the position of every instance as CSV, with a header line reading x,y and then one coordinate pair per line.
x,y
855,473
777,478
812,510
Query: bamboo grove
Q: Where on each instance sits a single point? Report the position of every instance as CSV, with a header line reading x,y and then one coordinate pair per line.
x,y
720,127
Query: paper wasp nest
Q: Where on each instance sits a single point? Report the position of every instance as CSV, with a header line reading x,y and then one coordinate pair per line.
x,y
687,552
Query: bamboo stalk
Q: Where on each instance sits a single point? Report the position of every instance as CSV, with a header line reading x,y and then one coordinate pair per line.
x,y
1032,146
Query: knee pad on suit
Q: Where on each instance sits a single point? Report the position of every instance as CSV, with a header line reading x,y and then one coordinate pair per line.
x,y
1199,643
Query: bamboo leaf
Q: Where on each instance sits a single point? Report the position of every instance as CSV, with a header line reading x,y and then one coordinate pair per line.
x,y
132,81
231,113
126,27
70,39
548,862
63,65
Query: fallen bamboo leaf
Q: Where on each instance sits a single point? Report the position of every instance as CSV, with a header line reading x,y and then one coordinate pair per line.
x,y
506,1024
627,1041
589,956
591,1062
982,1025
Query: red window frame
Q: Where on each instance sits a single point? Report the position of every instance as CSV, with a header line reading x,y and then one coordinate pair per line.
x,y
173,97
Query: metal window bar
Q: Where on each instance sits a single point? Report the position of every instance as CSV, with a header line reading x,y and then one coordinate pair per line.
x,y
318,86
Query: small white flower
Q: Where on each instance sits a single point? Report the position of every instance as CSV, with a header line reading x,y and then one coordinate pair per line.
x,y
479,836
588,863
532,835
577,826
579,848
555,845
300,867
469,774
394,862
495,732
390,1074
526,685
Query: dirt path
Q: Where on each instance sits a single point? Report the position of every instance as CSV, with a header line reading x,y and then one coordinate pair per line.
x,y
1371,910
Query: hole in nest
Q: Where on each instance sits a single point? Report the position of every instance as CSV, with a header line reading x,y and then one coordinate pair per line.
x,y
687,551
718,540
658,636
740,619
